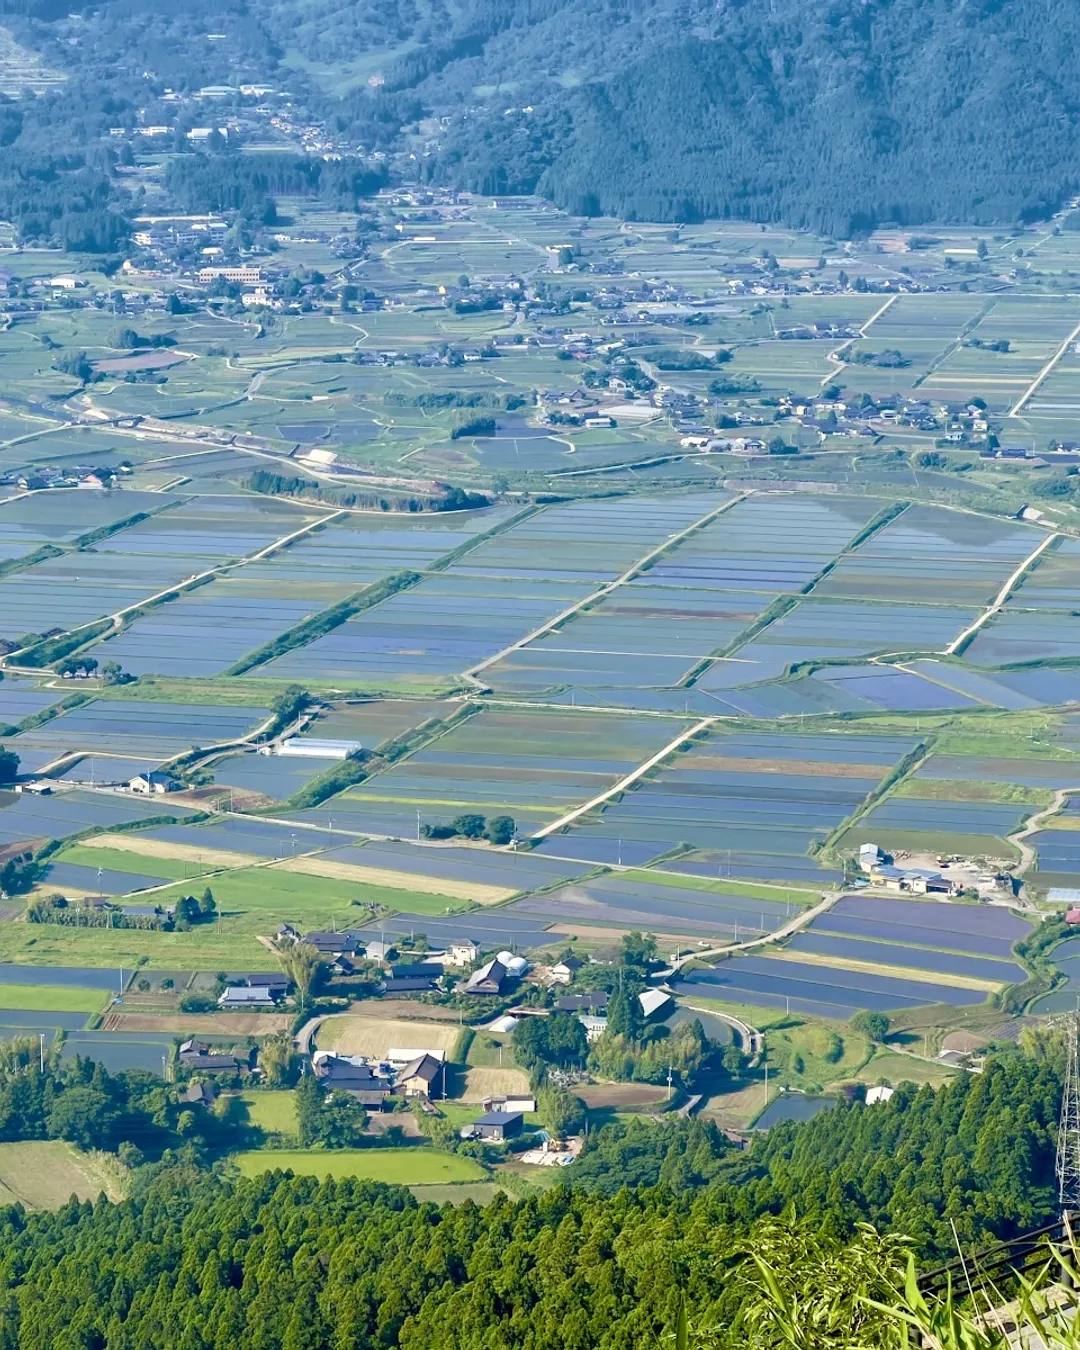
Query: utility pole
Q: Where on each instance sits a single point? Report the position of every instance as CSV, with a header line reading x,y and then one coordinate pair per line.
x,y
1068,1143
41,1047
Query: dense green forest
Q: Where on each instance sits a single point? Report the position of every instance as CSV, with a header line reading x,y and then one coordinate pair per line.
x,y
198,1260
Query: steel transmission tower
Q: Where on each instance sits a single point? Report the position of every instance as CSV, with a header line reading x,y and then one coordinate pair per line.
x,y
1068,1144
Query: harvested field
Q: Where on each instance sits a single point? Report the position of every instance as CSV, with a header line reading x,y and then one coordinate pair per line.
x,y
200,1024
166,848
477,892
481,1083
348,1035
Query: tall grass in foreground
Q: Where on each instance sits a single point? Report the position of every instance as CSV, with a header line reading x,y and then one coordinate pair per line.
x,y
797,1290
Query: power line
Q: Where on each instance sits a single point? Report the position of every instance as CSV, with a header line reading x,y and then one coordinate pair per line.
x,y
1068,1143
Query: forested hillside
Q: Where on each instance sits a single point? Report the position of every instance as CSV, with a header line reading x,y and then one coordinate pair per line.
x,y
834,117
196,1262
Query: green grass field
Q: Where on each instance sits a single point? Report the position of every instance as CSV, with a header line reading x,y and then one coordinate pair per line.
x,y
51,997
252,901
45,1174
272,1111
397,1166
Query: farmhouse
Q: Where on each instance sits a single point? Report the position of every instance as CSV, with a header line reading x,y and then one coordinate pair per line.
x,y
198,1055
594,1001
418,1078
248,996
654,1001
499,1125
151,783
463,952
915,880
564,972
357,1079
510,1105
489,979
198,1094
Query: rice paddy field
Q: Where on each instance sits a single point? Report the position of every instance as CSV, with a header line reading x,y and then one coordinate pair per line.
x,y
785,656
766,798
533,766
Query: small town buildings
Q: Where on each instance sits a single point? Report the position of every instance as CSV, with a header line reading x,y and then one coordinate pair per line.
x,y
498,1126
154,782
358,1079
331,944
594,1026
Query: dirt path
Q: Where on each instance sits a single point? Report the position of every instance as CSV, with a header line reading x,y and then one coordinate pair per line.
x,y
628,781
1034,824
1002,595
794,925
834,355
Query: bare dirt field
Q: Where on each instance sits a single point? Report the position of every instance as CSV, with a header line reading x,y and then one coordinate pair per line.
x,y
350,1035
481,1083
200,1024
620,1095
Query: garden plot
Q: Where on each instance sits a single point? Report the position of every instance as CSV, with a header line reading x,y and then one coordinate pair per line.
x,y
210,529
1014,636
931,555
436,630
20,699
823,991
1029,773
623,903
130,727
359,550
271,776
244,838
116,1051
817,629
762,796
1012,689
532,766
